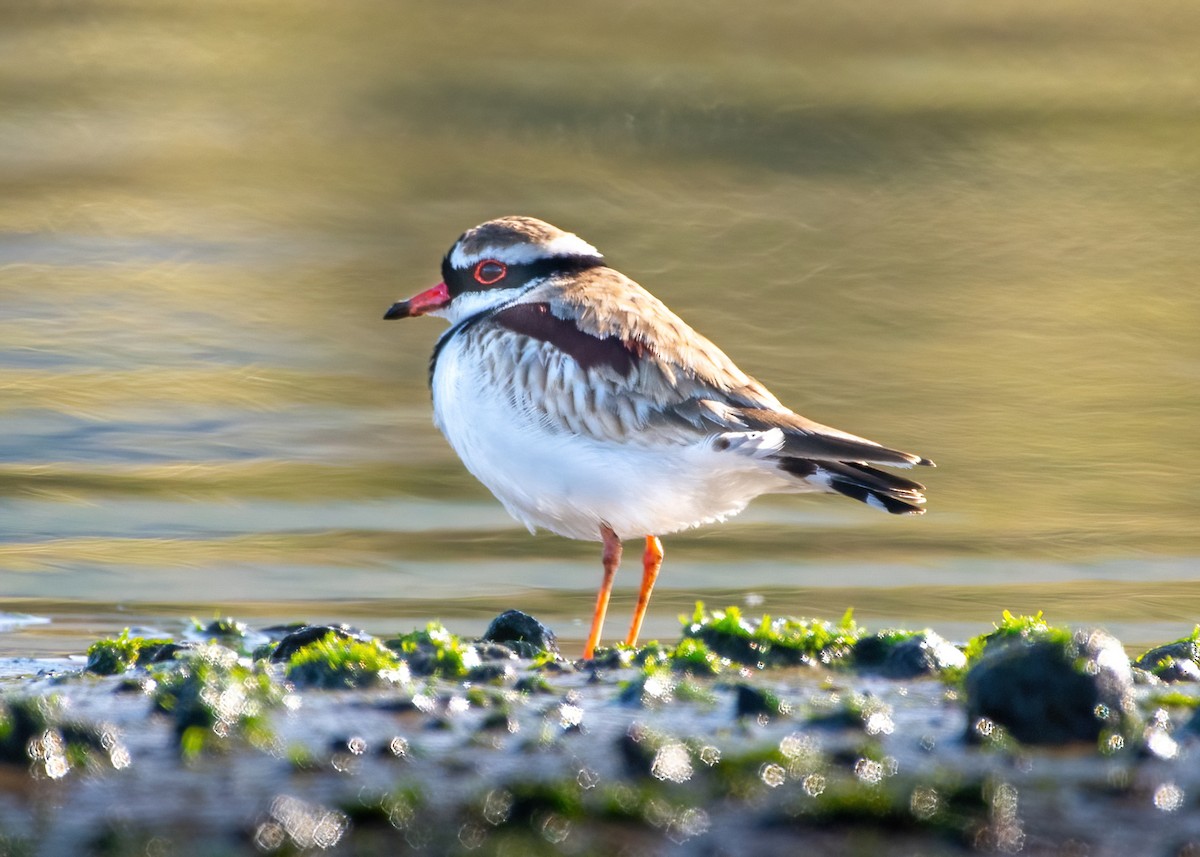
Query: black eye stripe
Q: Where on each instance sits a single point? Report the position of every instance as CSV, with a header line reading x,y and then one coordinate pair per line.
x,y
459,281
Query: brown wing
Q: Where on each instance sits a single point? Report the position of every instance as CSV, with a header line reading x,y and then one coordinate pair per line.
x,y
652,373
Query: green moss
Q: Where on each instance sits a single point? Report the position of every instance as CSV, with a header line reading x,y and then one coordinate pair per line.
x,y
227,631
301,758
655,685
759,702
618,657
951,808
394,810
855,711
739,774
531,801
1173,698
547,661
13,847
435,651
213,698
772,642
691,655
1012,627
892,636
340,662
1163,659
264,651
115,655
35,732
690,691
533,684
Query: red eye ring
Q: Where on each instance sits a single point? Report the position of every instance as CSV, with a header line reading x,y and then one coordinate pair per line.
x,y
489,271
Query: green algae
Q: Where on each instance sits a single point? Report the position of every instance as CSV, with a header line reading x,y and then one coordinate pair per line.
x,y
396,810
339,662
434,651
773,642
227,631
213,698
833,773
533,684
862,711
660,683
35,731
691,655
1172,699
951,809
1168,660
1011,628
11,846
115,655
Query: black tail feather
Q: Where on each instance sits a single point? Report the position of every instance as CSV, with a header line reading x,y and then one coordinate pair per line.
x,y
862,482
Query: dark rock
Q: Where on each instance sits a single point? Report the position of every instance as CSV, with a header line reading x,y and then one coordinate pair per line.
x,y
924,653
1177,670
1052,690
533,684
157,653
297,640
495,651
608,659
1191,729
524,634
500,720
491,673
35,732
743,649
638,747
225,630
1178,661
400,705
755,701
863,712
278,632
1146,678
557,667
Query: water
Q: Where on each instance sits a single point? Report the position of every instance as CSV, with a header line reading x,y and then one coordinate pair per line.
x,y
964,231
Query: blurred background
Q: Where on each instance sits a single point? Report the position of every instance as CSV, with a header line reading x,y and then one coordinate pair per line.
x,y
968,230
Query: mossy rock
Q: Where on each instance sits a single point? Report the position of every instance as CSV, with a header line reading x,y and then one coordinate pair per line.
x,y
907,654
213,697
1172,662
1049,690
773,642
115,655
524,634
435,651
36,733
338,661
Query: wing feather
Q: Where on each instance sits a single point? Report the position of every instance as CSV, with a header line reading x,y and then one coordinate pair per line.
x,y
648,372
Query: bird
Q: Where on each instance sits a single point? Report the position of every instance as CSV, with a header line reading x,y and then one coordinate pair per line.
x,y
591,410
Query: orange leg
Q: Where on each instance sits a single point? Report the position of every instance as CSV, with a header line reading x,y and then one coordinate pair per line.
x,y
651,562
612,559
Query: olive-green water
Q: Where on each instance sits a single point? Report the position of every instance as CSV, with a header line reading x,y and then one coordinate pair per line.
x,y
969,230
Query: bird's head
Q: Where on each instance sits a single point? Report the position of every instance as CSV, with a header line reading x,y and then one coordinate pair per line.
x,y
493,264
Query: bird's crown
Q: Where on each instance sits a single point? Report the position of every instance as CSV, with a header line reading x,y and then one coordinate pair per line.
x,y
517,240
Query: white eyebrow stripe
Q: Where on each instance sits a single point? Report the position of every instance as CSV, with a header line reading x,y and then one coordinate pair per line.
x,y
522,254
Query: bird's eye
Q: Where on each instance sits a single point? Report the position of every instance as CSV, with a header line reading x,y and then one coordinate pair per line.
x,y
490,271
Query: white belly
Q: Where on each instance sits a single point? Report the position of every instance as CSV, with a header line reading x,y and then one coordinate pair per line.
x,y
572,484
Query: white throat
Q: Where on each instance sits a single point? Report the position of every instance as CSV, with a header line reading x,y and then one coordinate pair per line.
x,y
468,304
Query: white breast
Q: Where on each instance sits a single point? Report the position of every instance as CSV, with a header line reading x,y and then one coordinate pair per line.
x,y
550,477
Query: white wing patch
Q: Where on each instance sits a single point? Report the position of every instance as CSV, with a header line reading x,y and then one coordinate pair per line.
x,y
753,444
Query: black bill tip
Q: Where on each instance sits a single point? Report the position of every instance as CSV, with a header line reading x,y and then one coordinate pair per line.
x,y
397,310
